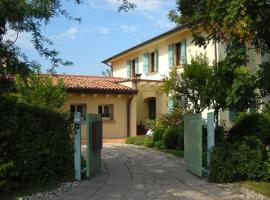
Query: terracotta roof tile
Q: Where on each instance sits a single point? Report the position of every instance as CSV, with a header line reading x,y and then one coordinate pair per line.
x,y
93,83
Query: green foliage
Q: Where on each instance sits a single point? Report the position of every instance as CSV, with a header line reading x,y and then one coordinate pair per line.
x,y
256,124
192,84
158,135
228,20
180,141
159,144
142,140
27,16
130,140
170,138
243,160
36,145
40,90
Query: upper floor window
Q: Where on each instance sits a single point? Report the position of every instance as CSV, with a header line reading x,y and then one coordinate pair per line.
x,y
152,62
177,53
81,108
132,68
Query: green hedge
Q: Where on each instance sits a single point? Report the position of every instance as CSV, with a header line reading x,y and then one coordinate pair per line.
x,y
36,145
245,160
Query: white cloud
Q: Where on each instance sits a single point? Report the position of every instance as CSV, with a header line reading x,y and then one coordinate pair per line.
x,y
141,5
71,33
23,41
103,30
128,28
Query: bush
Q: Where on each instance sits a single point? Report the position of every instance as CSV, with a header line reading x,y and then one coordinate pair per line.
x,y
142,140
257,124
159,144
148,143
171,138
180,141
130,140
244,160
36,145
158,135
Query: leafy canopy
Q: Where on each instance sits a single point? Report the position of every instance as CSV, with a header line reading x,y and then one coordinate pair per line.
x,y
40,90
226,20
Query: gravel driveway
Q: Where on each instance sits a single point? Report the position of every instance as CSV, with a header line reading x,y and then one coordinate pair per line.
x,y
131,172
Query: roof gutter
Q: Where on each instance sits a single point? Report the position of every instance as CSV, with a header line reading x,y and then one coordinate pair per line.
x,y
147,42
101,91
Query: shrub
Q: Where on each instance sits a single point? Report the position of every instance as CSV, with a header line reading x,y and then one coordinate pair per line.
x,y
148,143
159,144
171,138
141,140
36,145
239,161
130,140
158,135
180,141
257,124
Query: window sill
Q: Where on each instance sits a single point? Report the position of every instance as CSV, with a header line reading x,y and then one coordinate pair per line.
x,y
151,73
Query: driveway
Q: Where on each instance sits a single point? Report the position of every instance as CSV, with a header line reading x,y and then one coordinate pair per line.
x,y
131,172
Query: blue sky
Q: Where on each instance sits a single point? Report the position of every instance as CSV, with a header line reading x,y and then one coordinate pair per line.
x,y
102,33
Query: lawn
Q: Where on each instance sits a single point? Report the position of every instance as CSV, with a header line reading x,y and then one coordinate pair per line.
x,y
175,152
258,187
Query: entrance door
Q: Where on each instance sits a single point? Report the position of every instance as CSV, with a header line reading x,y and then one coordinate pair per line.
x,y
152,108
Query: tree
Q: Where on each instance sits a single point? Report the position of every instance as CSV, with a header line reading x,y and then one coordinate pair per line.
x,y
27,16
191,84
107,72
217,87
226,20
40,90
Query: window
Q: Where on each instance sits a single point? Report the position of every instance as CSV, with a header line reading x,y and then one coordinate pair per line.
x,y
106,111
178,54
79,108
152,62
133,73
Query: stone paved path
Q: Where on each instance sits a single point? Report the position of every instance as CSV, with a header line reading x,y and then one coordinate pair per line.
x,y
131,172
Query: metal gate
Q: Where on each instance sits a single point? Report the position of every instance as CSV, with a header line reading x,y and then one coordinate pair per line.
x,y
94,144
193,143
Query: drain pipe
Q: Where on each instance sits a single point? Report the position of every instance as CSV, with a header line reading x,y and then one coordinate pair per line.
x,y
128,116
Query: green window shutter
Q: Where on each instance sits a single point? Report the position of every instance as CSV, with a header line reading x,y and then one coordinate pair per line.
x,y
232,114
183,54
170,104
137,65
146,63
171,55
156,60
128,69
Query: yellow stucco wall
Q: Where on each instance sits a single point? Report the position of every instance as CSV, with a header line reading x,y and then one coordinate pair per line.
x,y
116,128
119,64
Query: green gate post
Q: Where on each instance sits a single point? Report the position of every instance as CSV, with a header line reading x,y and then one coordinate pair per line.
x,y
193,143
210,137
77,146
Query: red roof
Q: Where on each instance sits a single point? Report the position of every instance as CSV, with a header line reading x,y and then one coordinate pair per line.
x,y
94,84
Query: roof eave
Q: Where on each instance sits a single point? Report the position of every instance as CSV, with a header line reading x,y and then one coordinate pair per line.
x,y
101,91
106,61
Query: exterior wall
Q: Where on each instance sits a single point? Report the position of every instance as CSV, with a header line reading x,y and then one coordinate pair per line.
x,y
116,128
119,65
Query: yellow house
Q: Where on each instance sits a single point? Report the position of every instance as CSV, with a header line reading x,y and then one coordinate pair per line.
x,y
133,93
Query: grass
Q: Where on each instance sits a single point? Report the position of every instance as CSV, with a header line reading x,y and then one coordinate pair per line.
x,y
175,152
258,187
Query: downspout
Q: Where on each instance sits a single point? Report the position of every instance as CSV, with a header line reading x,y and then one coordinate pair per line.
x,y
128,115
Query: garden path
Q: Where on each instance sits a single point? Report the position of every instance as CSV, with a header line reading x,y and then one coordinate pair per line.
x,y
130,172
